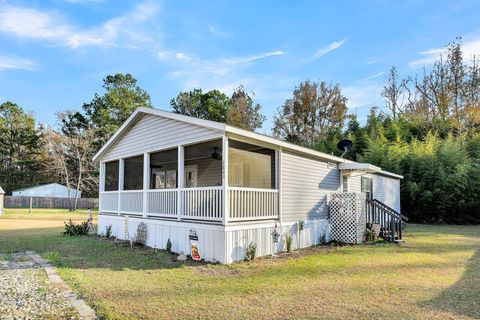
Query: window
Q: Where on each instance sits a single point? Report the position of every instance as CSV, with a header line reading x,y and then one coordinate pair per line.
x,y
163,169
367,187
133,173
191,176
163,179
111,176
158,179
345,183
171,179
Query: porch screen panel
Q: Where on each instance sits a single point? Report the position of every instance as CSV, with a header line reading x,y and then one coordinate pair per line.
x,y
111,176
163,169
251,167
133,174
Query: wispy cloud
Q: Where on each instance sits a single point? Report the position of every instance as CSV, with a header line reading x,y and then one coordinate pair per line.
x,y
222,73
324,50
428,57
84,1
363,95
30,23
332,46
373,76
218,32
7,63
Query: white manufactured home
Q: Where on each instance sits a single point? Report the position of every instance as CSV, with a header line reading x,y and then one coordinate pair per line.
x,y
230,187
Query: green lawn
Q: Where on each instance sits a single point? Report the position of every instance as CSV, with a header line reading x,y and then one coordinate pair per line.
x,y
434,275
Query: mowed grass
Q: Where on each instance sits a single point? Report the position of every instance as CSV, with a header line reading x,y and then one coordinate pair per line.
x,y
434,275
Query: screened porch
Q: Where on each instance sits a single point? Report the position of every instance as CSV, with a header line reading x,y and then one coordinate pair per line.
x,y
194,182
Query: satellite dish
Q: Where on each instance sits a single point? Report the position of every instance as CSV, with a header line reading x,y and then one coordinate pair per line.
x,y
344,145
215,155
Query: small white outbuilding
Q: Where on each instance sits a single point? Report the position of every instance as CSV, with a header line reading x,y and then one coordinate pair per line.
x,y
51,190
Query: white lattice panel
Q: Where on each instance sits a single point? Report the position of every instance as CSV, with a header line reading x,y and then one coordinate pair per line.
x,y
347,217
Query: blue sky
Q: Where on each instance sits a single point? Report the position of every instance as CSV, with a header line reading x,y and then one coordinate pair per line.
x,y
54,54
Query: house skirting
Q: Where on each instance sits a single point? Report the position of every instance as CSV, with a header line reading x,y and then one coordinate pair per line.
x,y
217,243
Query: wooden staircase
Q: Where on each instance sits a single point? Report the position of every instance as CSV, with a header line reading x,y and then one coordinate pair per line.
x,y
390,221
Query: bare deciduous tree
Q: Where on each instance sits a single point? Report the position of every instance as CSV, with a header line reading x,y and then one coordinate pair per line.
x,y
71,157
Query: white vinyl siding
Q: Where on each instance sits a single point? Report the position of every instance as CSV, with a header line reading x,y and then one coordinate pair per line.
x,y
306,184
355,183
385,189
151,133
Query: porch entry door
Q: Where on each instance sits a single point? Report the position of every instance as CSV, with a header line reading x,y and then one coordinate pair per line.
x,y
191,176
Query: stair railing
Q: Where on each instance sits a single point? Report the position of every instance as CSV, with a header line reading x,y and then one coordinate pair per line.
x,y
390,221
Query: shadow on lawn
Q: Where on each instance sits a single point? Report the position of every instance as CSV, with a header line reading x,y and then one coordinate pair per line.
x,y
463,297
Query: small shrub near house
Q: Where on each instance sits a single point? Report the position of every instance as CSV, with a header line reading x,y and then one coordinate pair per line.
x,y
251,251
168,247
140,238
108,231
288,242
74,229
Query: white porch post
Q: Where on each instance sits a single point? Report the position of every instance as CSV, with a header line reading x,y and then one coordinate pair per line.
x,y
101,187
102,177
279,183
121,170
180,180
146,181
226,205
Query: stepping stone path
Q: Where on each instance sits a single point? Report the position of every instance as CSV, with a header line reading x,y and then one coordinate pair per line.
x,y
30,288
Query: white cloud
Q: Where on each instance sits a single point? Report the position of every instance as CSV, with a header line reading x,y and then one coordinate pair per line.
x,y
373,76
332,46
35,24
325,50
84,1
247,59
363,95
223,74
30,23
428,57
7,63
218,32
182,56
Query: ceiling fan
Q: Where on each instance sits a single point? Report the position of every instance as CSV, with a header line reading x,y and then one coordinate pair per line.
x,y
215,155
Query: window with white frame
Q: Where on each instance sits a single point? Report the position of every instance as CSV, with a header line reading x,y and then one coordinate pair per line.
x,y
367,187
345,183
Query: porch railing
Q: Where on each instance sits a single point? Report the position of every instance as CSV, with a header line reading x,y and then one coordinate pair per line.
x,y
252,204
131,201
109,201
162,203
203,203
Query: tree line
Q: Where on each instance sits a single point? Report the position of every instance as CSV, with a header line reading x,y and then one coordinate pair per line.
x,y
428,132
